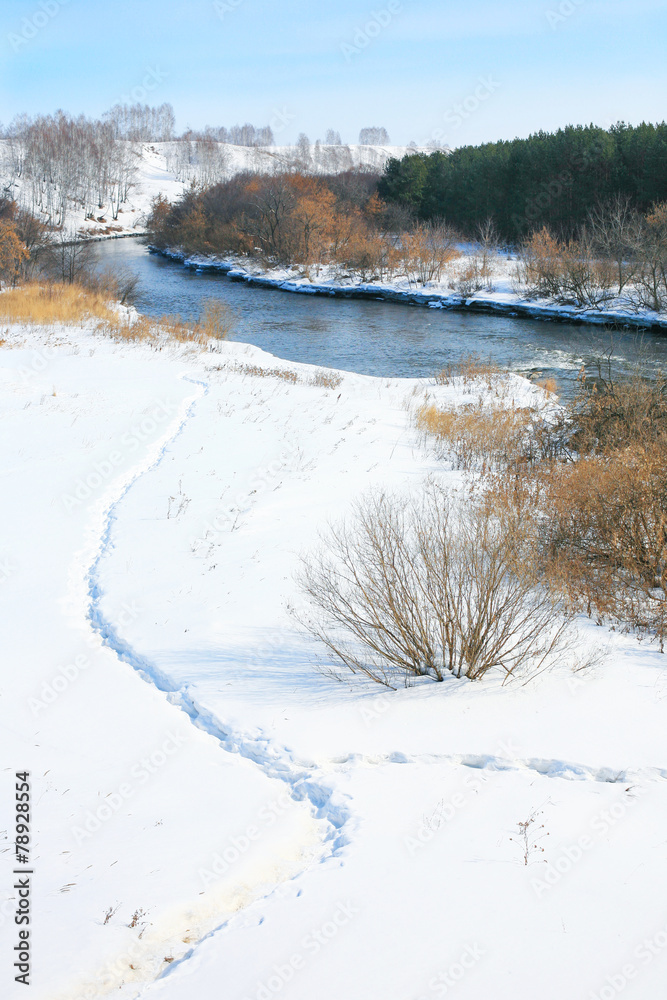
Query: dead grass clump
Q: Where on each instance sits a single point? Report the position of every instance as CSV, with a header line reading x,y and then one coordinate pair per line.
x,y
470,369
152,329
477,436
282,373
217,320
327,379
55,303
549,385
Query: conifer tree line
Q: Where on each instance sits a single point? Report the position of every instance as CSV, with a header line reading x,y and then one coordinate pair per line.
x,y
549,179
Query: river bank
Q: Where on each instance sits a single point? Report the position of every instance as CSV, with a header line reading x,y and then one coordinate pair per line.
x,y
501,301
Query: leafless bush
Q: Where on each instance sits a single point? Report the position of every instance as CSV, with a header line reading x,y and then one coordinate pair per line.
x,y
120,284
649,289
476,275
609,414
570,273
613,229
422,589
605,528
427,250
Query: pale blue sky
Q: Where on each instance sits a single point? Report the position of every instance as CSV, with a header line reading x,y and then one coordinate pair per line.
x,y
405,65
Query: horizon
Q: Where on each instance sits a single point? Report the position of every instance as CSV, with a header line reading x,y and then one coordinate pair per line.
x,y
223,62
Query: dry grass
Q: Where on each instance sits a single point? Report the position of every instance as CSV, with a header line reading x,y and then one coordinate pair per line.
x,y
549,385
54,303
477,436
470,369
327,379
257,371
45,304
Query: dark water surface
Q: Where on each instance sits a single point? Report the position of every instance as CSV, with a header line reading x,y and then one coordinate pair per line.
x,y
378,338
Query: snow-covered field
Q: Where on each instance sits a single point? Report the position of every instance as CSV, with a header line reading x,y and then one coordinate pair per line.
x,y
214,817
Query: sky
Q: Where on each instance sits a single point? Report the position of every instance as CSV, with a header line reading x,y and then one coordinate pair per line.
x,y
424,69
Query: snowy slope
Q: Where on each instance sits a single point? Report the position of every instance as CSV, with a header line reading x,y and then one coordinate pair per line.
x,y
394,869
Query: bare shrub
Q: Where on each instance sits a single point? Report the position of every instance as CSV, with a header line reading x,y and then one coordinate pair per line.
x,y
610,414
427,250
476,275
540,266
422,589
605,528
571,273
613,228
649,290
600,522
119,284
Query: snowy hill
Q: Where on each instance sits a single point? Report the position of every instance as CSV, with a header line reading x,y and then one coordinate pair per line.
x,y
165,168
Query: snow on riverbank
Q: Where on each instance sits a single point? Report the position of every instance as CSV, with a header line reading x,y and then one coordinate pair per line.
x,y
280,833
501,297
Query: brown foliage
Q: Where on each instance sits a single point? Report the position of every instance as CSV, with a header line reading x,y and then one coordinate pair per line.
x,y
13,252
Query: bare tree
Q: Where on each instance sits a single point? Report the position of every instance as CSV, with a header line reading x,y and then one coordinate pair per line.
x,y
374,136
613,229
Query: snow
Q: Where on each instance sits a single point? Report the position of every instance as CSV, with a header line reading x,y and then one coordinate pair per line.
x,y
279,832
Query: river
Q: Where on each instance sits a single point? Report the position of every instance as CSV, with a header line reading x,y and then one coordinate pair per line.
x,y
378,338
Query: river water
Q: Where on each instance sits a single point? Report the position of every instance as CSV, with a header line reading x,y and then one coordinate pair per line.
x,y
374,337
